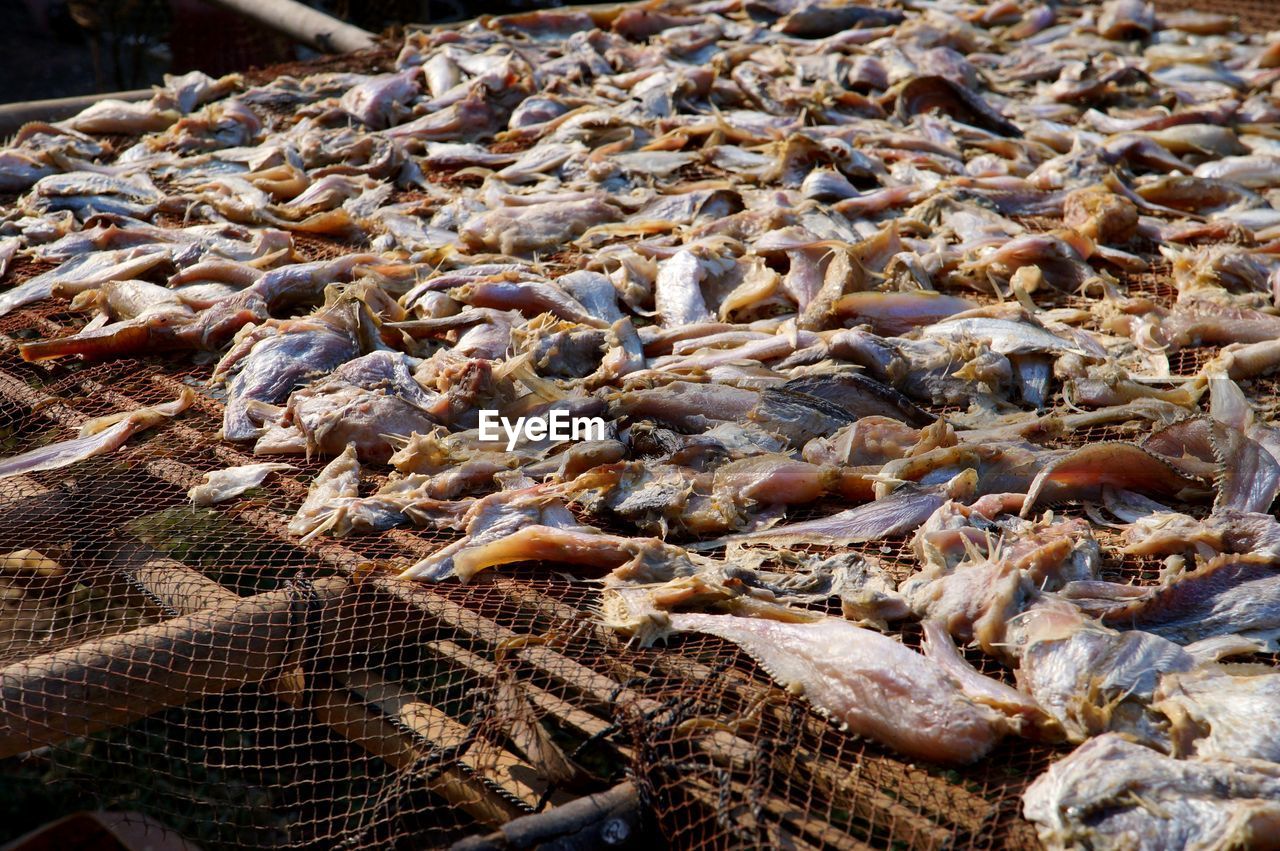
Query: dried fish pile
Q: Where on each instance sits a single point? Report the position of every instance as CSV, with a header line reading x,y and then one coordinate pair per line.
x,y
825,275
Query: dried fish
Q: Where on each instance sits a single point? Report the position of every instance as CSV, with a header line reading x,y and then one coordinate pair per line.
x,y
1084,472
97,437
367,402
222,485
1230,594
84,272
1093,679
899,513
733,237
276,359
1217,713
977,599
1112,794
926,93
869,683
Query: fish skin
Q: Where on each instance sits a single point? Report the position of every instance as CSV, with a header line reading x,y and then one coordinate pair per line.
x,y
861,396
932,91
978,597
595,292
89,192
277,364
773,480
870,441
624,356
377,102
524,229
1083,472
798,417
1216,713
277,288
1225,531
1251,172
134,299
340,479
687,404
492,518
677,297
937,371
1005,336
805,277
1200,324
159,332
225,241
20,171
1093,679
367,402
898,313
1248,476
460,121
9,246
118,116
1009,701
763,348
580,545
529,297
899,513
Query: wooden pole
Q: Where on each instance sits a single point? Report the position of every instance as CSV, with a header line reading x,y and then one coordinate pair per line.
x,y
302,24
14,115
187,591
611,819
113,681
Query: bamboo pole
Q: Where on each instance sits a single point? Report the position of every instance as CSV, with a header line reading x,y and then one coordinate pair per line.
x,y
302,24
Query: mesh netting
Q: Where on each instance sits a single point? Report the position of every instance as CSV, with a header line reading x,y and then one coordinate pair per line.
x,y
266,693
203,667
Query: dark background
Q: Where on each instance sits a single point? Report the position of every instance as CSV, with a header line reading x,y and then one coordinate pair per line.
x,y
59,48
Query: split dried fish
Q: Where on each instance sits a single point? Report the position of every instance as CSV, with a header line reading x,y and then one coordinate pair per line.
x,y
222,485
868,682
97,437
1230,594
1112,794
